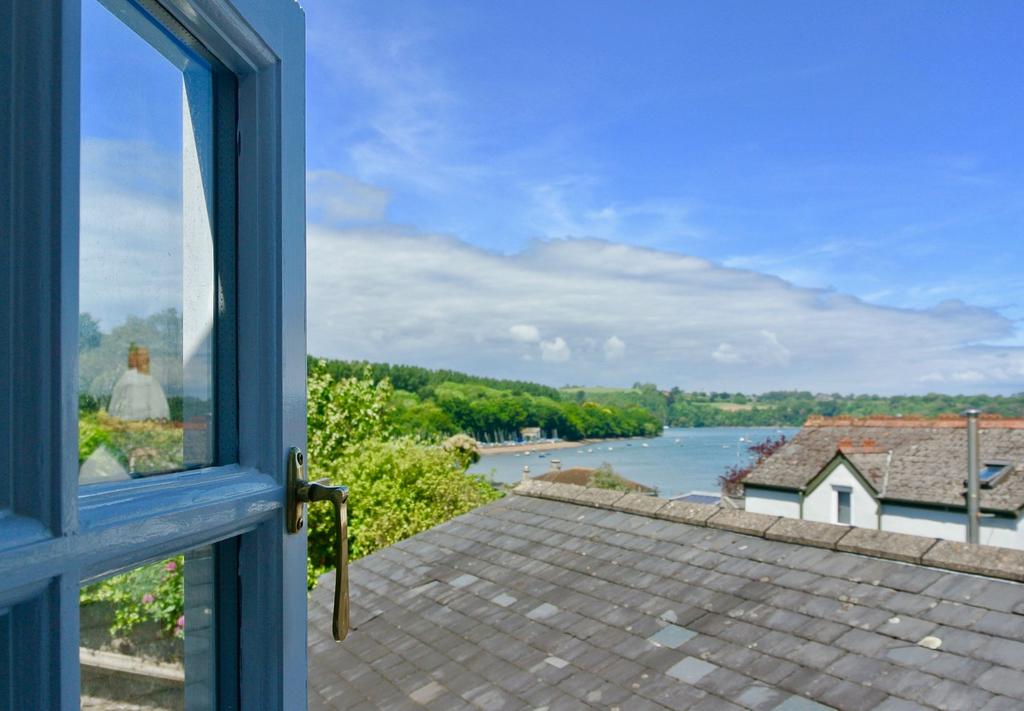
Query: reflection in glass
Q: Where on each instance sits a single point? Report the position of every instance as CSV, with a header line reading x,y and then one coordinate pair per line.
x,y
146,248
147,636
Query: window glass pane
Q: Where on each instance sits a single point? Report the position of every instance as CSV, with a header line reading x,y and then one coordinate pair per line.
x,y
147,636
843,506
146,254
991,471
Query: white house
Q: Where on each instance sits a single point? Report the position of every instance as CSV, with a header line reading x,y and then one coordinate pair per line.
x,y
896,474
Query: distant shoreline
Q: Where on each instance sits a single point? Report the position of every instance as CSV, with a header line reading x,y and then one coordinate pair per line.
x,y
542,446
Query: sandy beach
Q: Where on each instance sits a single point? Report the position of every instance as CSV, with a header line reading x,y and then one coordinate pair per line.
x,y
538,446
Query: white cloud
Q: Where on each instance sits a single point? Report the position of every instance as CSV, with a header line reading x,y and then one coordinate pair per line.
x,y
761,348
333,198
440,302
525,333
555,351
727,353
130,260
614,348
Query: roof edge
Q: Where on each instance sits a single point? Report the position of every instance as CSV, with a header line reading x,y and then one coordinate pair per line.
x,y
989,561
894,422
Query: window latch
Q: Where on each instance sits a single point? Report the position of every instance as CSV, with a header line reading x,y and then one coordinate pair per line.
x,y
299,493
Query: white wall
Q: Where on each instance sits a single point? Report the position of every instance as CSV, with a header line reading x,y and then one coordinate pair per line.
x,y
772,502
820,504
951,525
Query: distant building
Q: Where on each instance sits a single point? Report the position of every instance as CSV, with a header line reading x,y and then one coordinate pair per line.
x,y
530,434
903,475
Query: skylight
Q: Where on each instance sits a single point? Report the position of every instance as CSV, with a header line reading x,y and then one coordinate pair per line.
x,y
992,471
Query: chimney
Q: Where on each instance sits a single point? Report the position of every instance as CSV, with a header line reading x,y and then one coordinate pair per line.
x,y
973,471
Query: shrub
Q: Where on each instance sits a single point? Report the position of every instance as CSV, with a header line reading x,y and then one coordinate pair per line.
x,y
605,477
152,592
397,488
732,481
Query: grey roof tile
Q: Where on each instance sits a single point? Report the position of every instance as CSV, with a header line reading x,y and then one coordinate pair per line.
x,y
797,703
761,697
1000,680
1002,703
690,670
672,636
775,622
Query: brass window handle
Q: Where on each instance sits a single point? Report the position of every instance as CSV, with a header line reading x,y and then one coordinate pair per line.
x,y
300,492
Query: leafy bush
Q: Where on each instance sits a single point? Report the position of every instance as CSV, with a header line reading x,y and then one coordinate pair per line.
x,y
344,411
147,446
605,477
397,488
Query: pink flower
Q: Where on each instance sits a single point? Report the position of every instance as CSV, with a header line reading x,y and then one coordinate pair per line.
x,y
171,566
181,622
147,599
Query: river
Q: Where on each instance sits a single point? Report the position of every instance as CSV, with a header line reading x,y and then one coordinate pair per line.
x,y
683,459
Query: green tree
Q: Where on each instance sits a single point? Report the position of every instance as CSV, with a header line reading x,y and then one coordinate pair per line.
x,y
398,486
345,411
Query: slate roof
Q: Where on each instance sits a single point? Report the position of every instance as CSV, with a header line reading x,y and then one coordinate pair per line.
x,y
531,603
928,459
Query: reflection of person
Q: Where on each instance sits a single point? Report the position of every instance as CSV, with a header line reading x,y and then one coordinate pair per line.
x,y
137,395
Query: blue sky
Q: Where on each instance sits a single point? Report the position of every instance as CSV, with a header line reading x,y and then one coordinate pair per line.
x,y
712,195
873,147
866,152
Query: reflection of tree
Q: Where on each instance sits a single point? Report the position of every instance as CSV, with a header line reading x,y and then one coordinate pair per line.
x,y
89,335
134,448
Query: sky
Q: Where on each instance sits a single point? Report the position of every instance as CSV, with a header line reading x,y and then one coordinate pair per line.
x,y
716,196
729,196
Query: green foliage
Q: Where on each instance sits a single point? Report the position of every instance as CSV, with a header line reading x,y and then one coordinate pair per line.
x,y
784,408
397,488
152,592
422,380
146,447
345,411
605,477
436,404
91,434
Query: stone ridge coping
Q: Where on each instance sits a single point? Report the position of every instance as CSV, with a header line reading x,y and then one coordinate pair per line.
x,y
990,561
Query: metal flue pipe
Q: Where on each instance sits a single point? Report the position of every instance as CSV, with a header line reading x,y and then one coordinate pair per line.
x,y
973,473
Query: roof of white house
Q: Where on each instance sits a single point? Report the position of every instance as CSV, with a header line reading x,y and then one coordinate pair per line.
x,y
574,598
922,461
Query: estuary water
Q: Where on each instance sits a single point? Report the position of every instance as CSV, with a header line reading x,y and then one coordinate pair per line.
x,y
681,460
